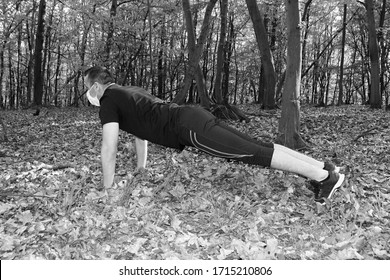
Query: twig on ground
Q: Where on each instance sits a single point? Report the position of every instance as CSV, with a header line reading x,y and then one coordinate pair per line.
x,y
367,132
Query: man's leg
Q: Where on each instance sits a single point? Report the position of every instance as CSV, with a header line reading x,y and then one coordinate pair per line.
x,y
223,143
300,156
200,129
289,151
285,161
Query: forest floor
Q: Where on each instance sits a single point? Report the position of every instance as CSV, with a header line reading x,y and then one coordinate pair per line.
x,y
189,205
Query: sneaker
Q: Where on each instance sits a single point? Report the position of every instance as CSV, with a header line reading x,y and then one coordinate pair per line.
x,y
331,167
327,187
328,167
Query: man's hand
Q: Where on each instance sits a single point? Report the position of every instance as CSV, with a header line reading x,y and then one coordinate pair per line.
x,y
108,153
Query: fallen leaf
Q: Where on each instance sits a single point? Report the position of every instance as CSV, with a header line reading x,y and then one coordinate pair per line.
x,y
178,190
4,207
25,217
224,253
134,248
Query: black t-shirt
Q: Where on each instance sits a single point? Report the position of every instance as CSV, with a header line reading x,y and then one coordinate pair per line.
x,y
140,114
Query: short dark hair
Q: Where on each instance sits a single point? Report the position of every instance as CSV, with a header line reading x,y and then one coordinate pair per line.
x,y
99,74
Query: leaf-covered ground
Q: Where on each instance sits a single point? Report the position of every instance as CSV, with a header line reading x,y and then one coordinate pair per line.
x,y
190,205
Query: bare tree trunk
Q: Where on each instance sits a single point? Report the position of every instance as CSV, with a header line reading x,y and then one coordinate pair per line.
x,y
341,86
11,80
194,50
110,33
201,87
57,74
151,76
289,123
328,77
383,48
375,96
230,43
265,52
47,55
83,48
19,78
38,76
2,65
221,53
305,19
29,55
223,109
161,66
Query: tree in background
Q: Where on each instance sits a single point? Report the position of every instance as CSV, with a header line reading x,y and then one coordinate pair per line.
x,y
222,108
289,123
12,19
265,52
221,53
384,52
82,45
195,50
375,95
341,78
110,33
145,43
38,78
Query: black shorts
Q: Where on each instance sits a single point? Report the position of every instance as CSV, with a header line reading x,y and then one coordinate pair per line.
x,y
198,128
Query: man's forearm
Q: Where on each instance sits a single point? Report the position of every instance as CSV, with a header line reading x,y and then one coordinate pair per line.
x,y
108,164
141,147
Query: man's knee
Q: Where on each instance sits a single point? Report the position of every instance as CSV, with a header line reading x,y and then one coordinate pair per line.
x,y
262,157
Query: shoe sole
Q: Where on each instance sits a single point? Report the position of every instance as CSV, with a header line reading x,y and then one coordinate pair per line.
x,y
337,185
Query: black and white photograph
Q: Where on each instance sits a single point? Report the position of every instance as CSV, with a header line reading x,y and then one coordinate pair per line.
x,y
195,139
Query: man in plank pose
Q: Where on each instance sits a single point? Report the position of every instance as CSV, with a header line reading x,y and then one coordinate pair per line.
x,y
134,110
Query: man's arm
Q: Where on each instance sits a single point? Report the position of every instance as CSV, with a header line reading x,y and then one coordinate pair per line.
x,y
108,153
141,147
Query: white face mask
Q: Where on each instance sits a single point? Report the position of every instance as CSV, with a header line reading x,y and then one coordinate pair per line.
x,y
92,95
